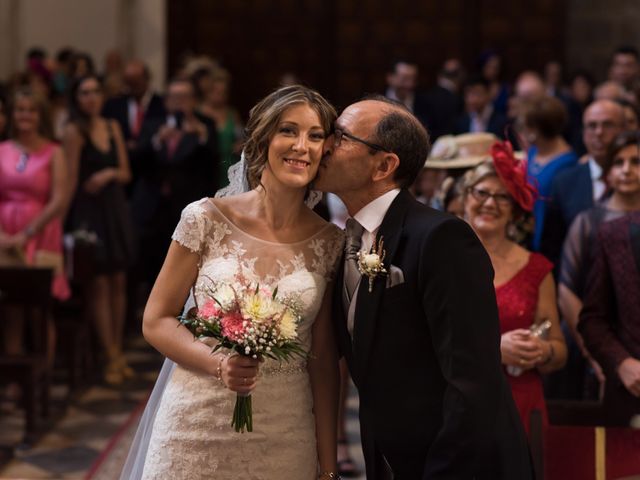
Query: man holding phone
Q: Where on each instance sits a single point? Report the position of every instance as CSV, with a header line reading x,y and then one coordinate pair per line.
x,y
184,153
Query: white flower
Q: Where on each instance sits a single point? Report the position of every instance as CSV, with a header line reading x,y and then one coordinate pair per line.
x,y
288,326
371,260
370,263
226,296
258,307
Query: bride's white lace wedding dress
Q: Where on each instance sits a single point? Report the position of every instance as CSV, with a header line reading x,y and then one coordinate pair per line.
x,y
192,437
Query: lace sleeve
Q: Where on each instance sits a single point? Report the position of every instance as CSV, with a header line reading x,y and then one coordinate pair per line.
x,y
193,226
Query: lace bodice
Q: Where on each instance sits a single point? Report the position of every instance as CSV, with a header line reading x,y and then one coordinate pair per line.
x,y
302,268
192,436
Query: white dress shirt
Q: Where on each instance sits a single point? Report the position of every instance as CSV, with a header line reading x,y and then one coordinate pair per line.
x,y
599,186
370,217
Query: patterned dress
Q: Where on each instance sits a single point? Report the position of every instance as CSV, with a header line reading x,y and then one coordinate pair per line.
x,y
192,437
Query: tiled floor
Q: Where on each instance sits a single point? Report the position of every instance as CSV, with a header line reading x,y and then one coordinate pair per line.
x,y
83,428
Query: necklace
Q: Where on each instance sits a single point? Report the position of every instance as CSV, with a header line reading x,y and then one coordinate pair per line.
x,y
23,159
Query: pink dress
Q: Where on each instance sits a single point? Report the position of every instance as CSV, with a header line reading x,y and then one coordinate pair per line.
x,y
517,303
25,189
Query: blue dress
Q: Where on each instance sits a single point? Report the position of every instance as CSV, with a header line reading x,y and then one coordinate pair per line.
x,y
542,177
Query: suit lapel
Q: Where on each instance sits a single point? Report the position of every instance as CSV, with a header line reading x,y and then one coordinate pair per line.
x,y
368,303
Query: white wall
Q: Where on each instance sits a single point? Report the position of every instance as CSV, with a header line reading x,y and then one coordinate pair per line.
x,y
136,27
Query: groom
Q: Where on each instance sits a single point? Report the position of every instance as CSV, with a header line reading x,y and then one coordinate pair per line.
x,y
421,341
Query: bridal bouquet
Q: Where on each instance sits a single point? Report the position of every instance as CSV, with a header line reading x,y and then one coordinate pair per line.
x,y
251,320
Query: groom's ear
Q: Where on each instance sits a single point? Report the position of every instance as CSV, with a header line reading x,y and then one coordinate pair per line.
x,y
386,167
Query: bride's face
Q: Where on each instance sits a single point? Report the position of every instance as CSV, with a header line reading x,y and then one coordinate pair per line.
x,y
296,147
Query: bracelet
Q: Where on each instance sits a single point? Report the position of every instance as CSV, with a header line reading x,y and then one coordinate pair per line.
x,y
219,369
552,354
329,475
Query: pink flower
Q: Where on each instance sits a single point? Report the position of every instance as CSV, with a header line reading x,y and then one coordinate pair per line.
x,y
232,327
209,310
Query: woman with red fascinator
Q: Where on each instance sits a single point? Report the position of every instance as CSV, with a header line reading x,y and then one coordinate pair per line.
x,y
497,198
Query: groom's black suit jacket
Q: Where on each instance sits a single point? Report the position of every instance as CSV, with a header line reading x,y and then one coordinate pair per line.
x,y
425,356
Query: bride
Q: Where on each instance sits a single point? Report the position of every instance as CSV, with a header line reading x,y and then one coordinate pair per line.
x,y
270,236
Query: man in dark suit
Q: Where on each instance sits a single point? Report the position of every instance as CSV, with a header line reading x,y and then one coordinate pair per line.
x,y
444,103
422,341
402,80
135,112
183,151
575,190
479,114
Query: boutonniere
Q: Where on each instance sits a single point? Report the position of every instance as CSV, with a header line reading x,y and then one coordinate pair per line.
x,y
371,263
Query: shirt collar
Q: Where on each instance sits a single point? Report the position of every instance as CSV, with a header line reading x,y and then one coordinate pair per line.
x,y
371,215
595,169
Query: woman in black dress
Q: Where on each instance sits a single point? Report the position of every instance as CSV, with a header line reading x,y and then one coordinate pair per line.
x,y
99,168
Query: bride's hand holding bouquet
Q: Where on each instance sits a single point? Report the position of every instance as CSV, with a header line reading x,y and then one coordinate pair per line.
x,y
252,323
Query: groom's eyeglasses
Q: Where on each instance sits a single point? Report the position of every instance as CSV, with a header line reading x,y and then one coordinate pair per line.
x,y
338,135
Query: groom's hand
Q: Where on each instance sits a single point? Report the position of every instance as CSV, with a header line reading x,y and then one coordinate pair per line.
x,y
239,373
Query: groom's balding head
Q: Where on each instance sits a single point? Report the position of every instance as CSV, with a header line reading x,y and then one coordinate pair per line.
x,y
400,132
378,145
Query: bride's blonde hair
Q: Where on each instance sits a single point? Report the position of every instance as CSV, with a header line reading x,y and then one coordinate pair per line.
x,y
264,119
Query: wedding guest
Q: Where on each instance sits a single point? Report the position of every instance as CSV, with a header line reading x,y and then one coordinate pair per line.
x,y
96,151
496,197
575,190
541,123
581,87
453,200
33,192
624,68
631,115
214,103
578,188
113,74
444,102
491,68
81,65
480,114
610,319
183,167
136,112
402,80
62,71
553,79
610,91
580,245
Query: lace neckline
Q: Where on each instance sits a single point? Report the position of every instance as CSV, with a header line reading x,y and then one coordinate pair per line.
x,y
233,225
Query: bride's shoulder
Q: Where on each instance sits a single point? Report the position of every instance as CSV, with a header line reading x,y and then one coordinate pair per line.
x,y
319,224
228,207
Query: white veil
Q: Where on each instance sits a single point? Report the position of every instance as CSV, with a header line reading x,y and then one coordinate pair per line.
x,y
134,465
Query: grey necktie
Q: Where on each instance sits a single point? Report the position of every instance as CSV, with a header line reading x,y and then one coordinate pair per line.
x,y
352,247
